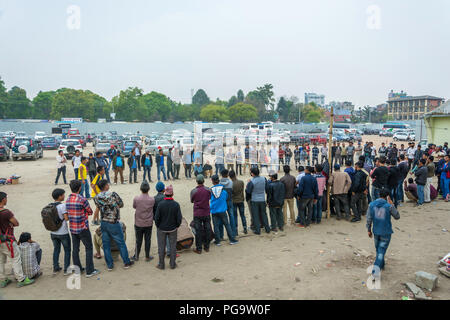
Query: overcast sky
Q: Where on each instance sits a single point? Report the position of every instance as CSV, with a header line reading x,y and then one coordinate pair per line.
x,y
336,48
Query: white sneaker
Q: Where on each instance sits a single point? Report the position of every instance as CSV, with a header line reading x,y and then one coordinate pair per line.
x,y
94,273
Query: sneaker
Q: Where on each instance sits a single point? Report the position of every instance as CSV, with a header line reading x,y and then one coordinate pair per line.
x,y
197,251
355,220
4,283
66,273
25,282
245,230
134,258
149,258
94,273
128,265
110,269
218,244
234,242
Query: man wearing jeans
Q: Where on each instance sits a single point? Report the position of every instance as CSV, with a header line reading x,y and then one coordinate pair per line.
x,y
421,180
109,204
132,165
219,207
307,193
61,236
238,202
202,218
256,189
379,215
159,160
78,210
147,163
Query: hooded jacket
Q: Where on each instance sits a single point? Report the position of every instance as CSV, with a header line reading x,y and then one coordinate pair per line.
x,y
379,215
109,204
218,202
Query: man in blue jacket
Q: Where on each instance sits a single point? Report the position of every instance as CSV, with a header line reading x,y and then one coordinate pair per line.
x,y
218,208
380,227
308,193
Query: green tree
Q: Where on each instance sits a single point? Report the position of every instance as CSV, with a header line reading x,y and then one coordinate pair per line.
x,y
241,112
3,99
129,106
240,96
311,113
158,105
18,105
73,103
42,104
200,98
214,113
233,100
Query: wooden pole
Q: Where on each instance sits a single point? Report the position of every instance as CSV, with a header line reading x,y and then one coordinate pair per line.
x,y
330,144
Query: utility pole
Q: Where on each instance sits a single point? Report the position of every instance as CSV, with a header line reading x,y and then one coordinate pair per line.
x,y
330,143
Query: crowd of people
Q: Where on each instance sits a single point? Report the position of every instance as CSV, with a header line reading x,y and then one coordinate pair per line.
x,y
362,180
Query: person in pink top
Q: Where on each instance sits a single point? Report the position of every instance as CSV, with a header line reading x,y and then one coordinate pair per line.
x,y
321,184
143,220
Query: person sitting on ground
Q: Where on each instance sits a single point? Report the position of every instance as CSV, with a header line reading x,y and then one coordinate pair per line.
x,y
9,247
98,243
207,169
30,254
411,190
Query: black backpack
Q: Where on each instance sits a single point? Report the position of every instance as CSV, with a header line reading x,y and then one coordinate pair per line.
x,y
50,217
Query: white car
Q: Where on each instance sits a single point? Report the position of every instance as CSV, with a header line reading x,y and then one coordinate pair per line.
x,y
70,146
39,135
401,136
155,145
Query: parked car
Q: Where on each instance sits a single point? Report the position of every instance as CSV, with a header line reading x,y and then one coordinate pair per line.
x,y
50,143
4,151
70,146
401,136
23,147
39,135
80,139
155,145
102,147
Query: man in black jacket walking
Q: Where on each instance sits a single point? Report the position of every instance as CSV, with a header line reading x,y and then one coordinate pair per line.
x,y
167,219
357,190
275,200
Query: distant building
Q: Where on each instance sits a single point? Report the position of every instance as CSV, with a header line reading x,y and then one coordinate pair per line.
x,y
318,99
411,108
393,94
437,123
381,107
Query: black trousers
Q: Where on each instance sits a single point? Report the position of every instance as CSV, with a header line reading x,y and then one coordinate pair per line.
x,y
63,171
341,199
176,171
170,171
259,215
146,234
357,204
85,237
203,232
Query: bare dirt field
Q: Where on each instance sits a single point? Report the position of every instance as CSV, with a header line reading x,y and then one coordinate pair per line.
x,y
326,261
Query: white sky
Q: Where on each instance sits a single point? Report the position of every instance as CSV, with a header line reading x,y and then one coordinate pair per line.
x,y
321,46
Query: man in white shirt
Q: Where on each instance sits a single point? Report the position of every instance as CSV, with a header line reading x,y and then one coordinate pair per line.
x,y
76,162
274,158
324,153
61,237
410,152
61,166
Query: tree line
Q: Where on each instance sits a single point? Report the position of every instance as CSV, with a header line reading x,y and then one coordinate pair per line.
x,y
133,104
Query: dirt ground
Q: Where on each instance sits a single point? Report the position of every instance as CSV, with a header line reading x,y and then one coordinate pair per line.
x,y
326,261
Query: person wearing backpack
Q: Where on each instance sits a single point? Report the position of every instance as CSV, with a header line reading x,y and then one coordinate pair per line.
x,y
9,247
61,236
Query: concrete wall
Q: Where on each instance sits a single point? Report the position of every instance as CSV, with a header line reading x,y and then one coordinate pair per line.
x,y
438,129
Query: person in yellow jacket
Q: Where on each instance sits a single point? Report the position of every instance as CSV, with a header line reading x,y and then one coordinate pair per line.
x,y
82,175
96,190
